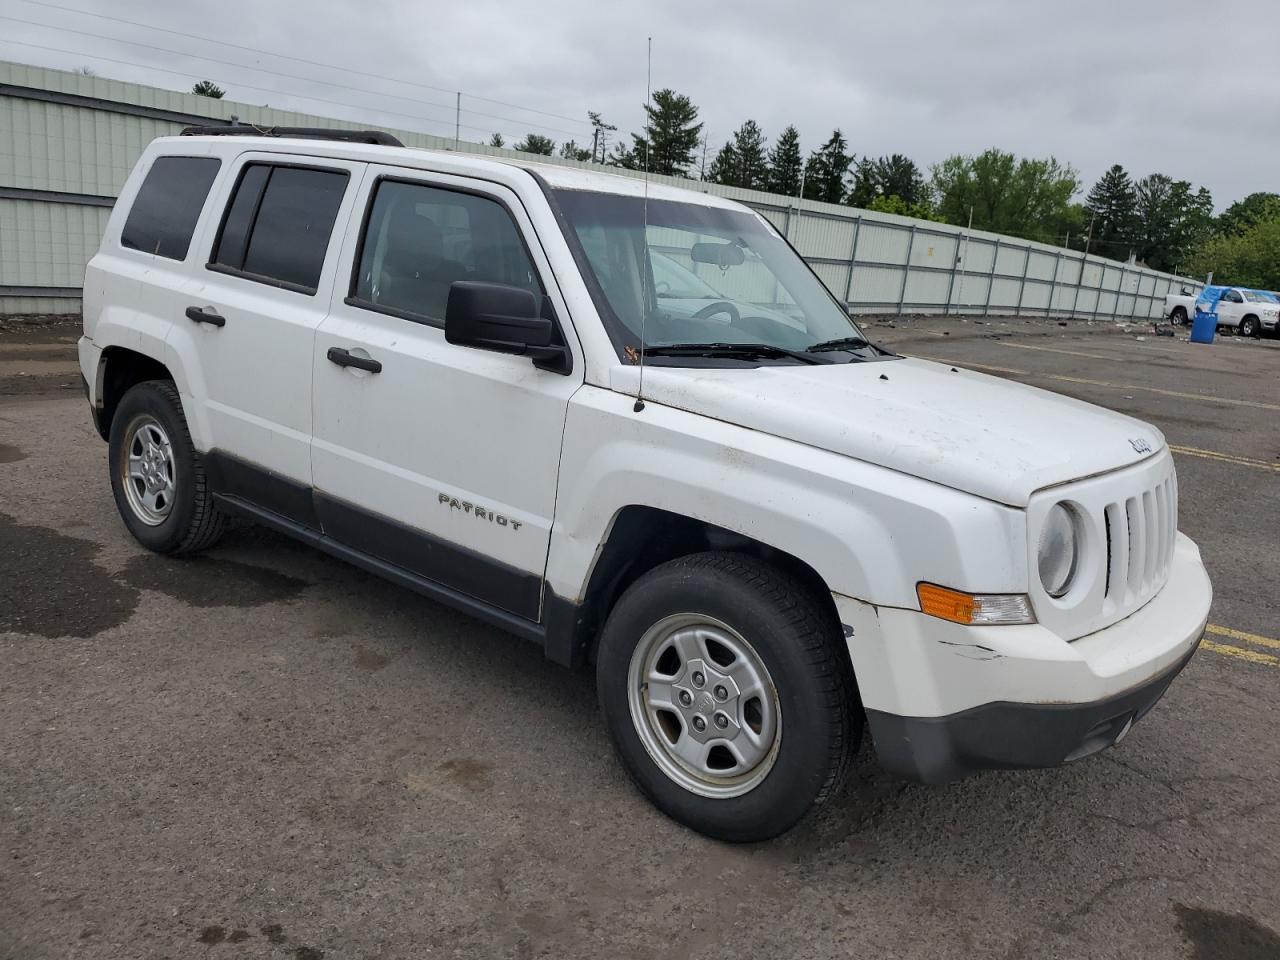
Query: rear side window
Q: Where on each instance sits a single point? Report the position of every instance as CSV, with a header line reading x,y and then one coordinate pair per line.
x,y
418,240
278,224
164,213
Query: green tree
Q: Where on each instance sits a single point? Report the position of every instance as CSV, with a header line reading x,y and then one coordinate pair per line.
x,y
207,88
1112,207
670,138
898,176
741,162
865,189
571,151
1023,197
892,203
536,143
1249,257
724,168
1172,220
497,140
892,176
826,170
785,163
1243,214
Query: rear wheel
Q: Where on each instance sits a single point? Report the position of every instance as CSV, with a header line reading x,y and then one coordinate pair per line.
x,y
157,476
1179,316
727,691
1249,327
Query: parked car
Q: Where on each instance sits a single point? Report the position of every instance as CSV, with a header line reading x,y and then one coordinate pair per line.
x,y
1248,312
1179,307
455,372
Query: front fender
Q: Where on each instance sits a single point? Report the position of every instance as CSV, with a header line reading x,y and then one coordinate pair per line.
x,y
869,532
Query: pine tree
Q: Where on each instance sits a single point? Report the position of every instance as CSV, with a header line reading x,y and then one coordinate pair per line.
x,y
748,147
207,88
866,187
497,140
825,173
673,133
724,168
785,164
1112,205
536,143
898,176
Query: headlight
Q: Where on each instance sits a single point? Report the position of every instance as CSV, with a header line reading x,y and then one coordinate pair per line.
x,y
1059,547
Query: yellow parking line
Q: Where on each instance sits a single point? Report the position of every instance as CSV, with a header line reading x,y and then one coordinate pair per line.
x,y
1225,457
1240,653
1241,635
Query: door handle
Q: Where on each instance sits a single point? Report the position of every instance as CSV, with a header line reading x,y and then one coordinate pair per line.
x,y
343,358
201,315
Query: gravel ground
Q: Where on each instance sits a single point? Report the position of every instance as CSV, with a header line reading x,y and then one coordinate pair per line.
x,y
262,752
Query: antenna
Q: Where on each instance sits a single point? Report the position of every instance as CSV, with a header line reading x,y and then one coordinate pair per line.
x,y
644,237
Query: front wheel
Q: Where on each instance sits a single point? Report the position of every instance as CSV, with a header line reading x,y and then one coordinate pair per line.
x,y
1179,316
727,691
1249,327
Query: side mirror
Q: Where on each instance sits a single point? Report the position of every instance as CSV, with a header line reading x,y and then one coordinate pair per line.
x,y
491,316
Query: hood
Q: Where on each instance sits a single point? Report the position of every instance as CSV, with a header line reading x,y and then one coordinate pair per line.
x,y
990,437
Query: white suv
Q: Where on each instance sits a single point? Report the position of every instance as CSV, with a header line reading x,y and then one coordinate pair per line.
x,y
766,533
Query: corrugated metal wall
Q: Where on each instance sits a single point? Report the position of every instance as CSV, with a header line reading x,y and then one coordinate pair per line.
x,y
67,143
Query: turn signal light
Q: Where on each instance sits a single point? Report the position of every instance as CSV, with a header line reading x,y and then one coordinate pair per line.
x,y
973,609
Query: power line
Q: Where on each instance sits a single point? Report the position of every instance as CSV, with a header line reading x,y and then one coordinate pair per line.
x,y
291,76
285,56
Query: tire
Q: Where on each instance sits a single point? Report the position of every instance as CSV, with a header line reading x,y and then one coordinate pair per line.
x,y
1179,316
1249,327
789,688
166,505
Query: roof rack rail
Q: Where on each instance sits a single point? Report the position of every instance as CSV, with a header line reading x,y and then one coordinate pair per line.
x,y
302,133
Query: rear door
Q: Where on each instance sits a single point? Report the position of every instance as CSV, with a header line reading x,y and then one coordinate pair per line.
x,y
444,461
248,325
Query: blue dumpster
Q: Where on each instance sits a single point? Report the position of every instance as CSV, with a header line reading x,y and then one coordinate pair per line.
x,y
1204,326
1205,319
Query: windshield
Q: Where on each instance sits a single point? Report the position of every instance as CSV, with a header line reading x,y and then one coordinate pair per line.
x,y
697,275
1254,296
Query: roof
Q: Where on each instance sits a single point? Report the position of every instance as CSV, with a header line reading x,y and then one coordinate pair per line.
x,y
556,175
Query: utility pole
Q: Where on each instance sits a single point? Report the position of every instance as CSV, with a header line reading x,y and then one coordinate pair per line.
x,y
1089,238
457,120
702,172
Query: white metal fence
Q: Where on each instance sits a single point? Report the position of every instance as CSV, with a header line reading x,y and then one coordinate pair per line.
x,y
67,143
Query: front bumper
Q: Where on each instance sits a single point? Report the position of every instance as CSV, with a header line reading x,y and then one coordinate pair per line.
x,y
943,700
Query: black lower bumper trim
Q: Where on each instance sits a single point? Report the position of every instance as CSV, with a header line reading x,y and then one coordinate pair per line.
x,y
1010,735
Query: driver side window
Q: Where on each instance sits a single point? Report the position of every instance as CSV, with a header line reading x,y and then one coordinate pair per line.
x,y
419,240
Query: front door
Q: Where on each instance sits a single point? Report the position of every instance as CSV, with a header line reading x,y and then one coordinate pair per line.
x,y
440,459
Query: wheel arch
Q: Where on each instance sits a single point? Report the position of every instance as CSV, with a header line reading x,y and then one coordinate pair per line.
x,y
119,369
639,539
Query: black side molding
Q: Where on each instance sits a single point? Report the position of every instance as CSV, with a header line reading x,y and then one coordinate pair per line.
x,y
378,137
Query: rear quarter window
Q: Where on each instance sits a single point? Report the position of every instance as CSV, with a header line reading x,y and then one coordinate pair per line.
x,y
165,211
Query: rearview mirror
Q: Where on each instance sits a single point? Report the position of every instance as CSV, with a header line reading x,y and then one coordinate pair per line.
x,y
722,255
492,316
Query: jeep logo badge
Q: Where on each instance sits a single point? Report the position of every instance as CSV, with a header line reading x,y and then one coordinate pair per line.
x,y
1140,444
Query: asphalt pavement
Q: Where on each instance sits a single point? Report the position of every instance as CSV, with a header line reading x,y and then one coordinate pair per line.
x,y
263,752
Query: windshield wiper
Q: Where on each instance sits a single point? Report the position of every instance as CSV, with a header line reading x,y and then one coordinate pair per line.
x,y
840,343
736,351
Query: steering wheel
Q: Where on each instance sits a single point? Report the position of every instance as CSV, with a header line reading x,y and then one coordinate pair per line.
x,y
720,306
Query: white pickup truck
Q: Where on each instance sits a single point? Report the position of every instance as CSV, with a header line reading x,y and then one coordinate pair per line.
x,y
1248,312
1180,307
763,532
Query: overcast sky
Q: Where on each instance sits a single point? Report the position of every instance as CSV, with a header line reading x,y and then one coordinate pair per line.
x,y
1144,84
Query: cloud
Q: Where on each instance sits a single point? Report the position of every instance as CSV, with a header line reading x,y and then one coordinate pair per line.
x,y
1091,83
